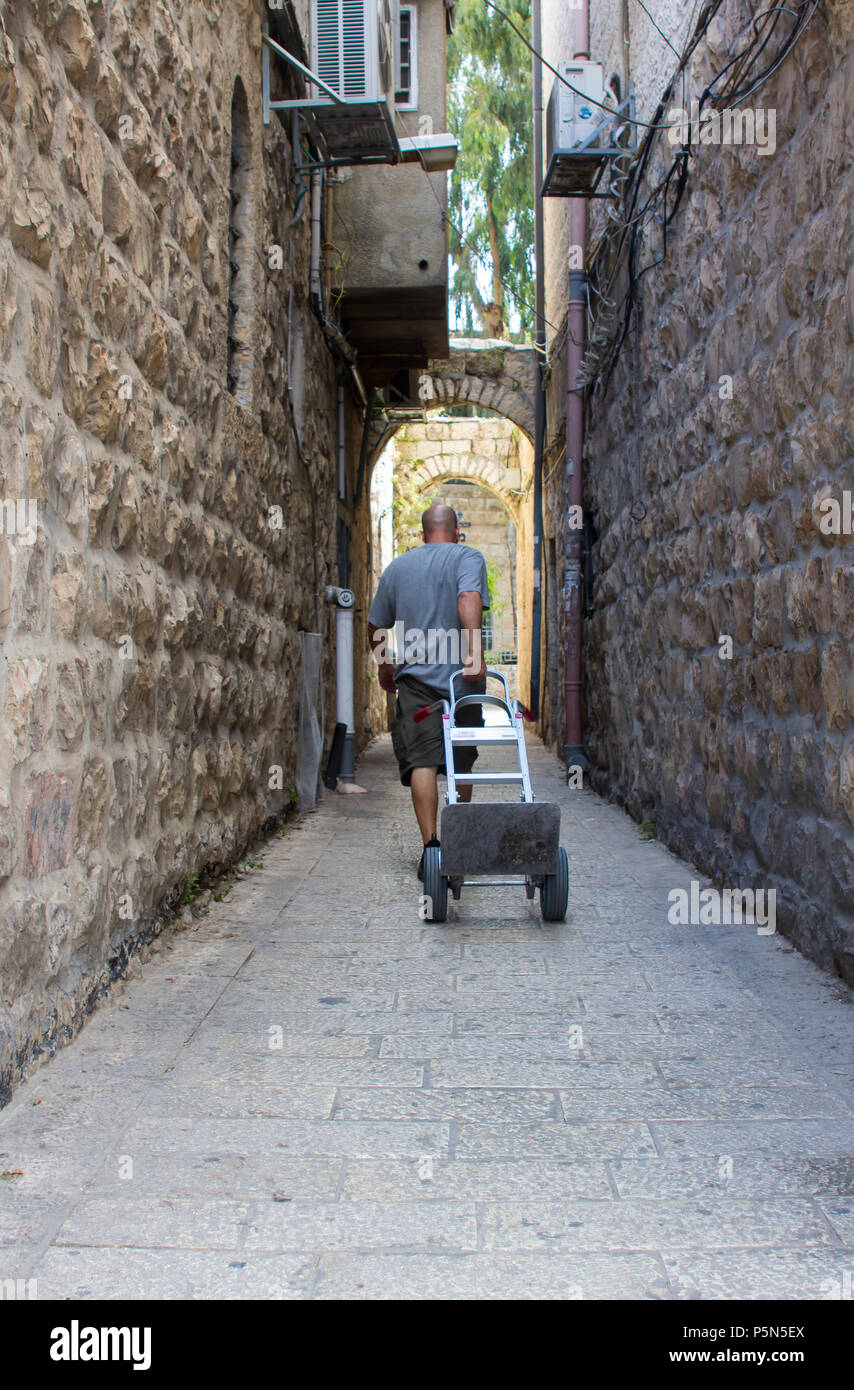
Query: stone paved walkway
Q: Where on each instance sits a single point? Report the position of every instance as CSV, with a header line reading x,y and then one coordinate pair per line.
x,y
313,1094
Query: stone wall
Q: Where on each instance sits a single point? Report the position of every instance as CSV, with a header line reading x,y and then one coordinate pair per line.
x,y
150,624
489,529
727,420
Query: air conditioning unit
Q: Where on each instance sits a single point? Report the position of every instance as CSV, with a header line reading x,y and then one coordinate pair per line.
x,y
353,47
353,53
578,131
350,107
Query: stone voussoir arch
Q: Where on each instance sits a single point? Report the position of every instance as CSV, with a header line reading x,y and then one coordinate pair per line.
x,y
487,372
486,472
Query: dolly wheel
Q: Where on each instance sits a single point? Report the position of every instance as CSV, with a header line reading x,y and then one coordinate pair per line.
x,y
435,885
554,893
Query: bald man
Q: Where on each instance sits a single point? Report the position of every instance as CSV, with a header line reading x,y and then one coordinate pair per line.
x,y
433,597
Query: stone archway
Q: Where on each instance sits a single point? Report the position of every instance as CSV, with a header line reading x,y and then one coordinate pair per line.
x,y
489,373
435,454
482,471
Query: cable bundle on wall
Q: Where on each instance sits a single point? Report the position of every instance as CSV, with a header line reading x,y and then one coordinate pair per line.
x,y
620,243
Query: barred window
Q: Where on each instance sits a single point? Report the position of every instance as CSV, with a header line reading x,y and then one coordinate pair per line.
x,y
407,93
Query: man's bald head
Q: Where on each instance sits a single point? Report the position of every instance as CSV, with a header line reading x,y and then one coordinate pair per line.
x,y
439,523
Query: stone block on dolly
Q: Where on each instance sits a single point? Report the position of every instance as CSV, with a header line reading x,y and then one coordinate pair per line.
x,y
500,837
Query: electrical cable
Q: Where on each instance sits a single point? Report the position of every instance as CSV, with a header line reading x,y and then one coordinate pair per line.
x,y
655,23
736,90
644,125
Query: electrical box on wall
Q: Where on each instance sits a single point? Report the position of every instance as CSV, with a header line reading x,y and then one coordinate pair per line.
x,y
581,135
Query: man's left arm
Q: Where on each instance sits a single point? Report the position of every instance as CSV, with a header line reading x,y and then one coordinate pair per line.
x,y
472,598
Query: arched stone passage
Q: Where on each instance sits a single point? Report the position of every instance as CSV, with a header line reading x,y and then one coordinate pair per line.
x,y
489,373
486,471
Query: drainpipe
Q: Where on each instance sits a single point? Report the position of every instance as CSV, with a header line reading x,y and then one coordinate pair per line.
x,y
314,276
342,444
540,338
576,324
345,602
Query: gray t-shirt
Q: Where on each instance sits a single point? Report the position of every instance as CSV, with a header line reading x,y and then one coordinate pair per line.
x,y
417,598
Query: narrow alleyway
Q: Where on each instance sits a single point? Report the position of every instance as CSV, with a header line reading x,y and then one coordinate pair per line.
x,y
312,1094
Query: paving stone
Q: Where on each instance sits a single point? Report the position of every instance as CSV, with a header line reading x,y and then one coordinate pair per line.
x,y
739,1175
840,1214
481,1181
634,1224
490,1276
769,1274
250,1098
829,1138
378,1139
211,1177
664,1102
379,1103
274,1069
154,1222
94,1273
577,1141
368,1225
524,1072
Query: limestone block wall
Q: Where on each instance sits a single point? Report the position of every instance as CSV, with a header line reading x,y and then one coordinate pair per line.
x,y
727,421
489,529
150,622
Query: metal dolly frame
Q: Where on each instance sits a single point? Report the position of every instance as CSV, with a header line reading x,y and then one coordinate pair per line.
x,y
498,843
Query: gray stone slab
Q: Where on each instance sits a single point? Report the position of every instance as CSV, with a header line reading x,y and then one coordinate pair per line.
x,y
27,1220
635,1224
376,1139
154,1222
525,1072
215,1177
498,1275
213,1042
480,1181
744,1070
524,1000
830,1138
739,1175
250,1097
583,1142
274,1069
332,1020
31,1174
172,1274
770,1274
663,1102
323,1226
490,1047
445,1104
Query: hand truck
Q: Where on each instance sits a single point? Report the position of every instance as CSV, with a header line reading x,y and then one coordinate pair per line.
x,y
493,843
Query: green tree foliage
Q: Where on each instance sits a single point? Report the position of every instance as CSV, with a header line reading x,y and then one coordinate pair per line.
x,y
491,192
493,579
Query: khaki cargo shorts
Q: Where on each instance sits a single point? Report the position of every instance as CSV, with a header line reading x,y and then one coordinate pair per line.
x,y
422,745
